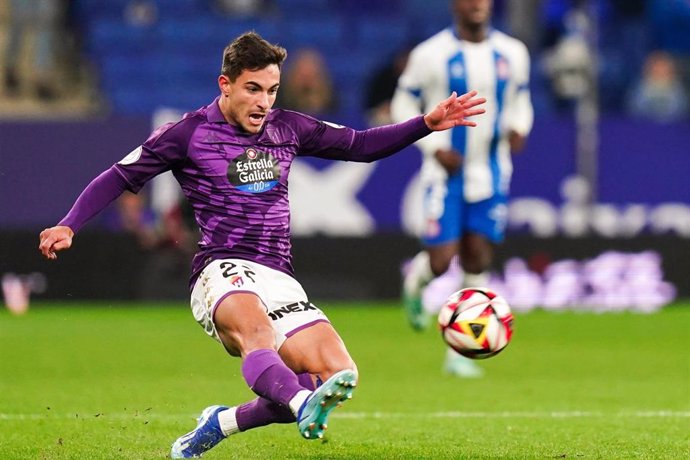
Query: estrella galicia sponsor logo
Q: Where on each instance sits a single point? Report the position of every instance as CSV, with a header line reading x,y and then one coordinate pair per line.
x,y
278,313
254,171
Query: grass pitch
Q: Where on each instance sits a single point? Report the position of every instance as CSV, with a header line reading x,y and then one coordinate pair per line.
x,y
123,381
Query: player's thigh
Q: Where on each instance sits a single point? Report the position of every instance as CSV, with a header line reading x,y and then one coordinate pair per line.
x,y
243,325
228,301
487,218
318,350
442,209
477,253
443,214
484,228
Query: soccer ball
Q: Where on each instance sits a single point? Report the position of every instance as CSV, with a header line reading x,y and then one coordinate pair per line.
x,y
476,322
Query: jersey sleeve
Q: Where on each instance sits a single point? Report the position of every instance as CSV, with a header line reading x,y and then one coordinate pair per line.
x,y
163,150
407,100
335,142
102,191
519,110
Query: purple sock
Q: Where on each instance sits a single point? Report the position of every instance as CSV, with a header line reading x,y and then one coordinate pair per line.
x,y
269,377
306,381
261,412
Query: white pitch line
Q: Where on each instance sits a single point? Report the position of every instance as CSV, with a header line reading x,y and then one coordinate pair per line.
x,y
517,414
145,416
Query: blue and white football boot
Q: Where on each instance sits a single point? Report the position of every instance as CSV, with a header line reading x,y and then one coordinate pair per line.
x,y
313,415
202,438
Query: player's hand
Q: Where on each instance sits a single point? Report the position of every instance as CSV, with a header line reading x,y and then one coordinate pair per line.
x,y
55,239
450,159
516,141
454,111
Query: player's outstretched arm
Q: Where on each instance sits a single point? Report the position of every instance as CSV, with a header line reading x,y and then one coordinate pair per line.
x,y
454,111
96,196
55,239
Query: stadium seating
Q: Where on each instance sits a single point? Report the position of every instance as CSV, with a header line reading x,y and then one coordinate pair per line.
x,y
141,66
355,36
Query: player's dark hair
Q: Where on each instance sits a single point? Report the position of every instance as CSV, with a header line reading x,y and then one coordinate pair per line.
x,y
250,52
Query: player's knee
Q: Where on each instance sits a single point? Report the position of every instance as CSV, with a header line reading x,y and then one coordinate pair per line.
x,y
477,255
439,265
440,258
476,264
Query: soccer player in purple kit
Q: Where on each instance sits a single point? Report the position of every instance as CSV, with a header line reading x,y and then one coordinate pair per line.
x,y
232,159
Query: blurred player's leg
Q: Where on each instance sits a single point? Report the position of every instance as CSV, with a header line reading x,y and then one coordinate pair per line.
x,y
460,366
417,275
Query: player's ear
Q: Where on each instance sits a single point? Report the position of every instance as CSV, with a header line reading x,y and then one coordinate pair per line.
x,y
224,85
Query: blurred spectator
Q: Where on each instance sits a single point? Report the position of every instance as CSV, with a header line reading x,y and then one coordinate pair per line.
x,y
307,85
170,229
381,87
45,18
141,13
166,236
131,215
659,94
569,62
521,16
243,8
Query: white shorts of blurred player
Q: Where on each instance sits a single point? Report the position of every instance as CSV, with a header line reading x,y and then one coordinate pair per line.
x,y
282,296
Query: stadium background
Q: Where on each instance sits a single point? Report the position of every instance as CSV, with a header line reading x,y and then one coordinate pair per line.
x,y
137,72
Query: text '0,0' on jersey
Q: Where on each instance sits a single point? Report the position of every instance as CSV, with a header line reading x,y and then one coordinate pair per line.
x,y
498,68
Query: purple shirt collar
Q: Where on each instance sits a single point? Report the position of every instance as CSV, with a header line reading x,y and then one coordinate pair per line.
x,y
213,113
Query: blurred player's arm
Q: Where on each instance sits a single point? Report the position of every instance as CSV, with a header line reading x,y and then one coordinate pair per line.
x,y
519,111
409,100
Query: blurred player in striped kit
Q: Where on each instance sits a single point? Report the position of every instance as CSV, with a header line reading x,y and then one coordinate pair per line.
x,y
465,173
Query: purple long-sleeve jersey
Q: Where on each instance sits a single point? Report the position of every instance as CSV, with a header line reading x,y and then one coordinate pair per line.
x,y
236,182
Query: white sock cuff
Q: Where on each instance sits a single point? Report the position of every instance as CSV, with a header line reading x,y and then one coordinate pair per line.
x,y
419,273
228,421
297,400
475,279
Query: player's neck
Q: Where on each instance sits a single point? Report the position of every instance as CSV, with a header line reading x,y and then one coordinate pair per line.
x,y
474,33
225,110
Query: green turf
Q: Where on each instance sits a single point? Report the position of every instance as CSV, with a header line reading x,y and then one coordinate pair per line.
x,y
122,382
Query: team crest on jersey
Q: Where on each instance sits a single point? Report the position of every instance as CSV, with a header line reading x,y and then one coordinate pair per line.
x,y
236,281
502,69
254,171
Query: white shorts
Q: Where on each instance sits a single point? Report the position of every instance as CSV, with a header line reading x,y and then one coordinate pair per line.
x,y
283,297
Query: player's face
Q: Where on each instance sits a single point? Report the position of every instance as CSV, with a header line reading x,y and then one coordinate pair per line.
x,y
247,101
472,12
